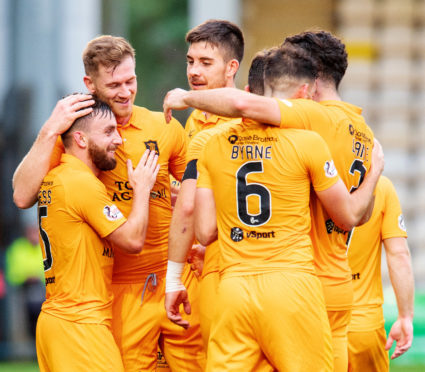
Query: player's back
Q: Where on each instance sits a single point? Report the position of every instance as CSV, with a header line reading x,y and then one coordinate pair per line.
x,y
350,141
261,180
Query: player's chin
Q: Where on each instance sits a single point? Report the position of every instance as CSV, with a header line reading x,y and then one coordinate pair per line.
x,y
199,86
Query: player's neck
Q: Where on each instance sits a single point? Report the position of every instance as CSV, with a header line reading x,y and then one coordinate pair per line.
x,y
122,120
326,94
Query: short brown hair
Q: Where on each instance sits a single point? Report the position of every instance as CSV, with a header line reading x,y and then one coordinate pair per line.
x,y
288,63
256,71
219,33
105,50
328,51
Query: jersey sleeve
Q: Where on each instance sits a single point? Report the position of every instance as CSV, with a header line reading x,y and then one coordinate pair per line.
x,y
95,207
301,114
393,221
177,164
321,167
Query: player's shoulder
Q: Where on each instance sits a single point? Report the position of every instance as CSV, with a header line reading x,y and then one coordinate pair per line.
x,y
155,118
351,112
298,134
385,185
206,134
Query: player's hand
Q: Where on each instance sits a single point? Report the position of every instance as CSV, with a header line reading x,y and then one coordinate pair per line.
x,y
378,161
172,305
196,259
144,175
402,333
67,110
174,100
174,191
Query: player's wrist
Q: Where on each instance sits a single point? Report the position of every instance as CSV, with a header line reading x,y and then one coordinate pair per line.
x,y
173,281
47,133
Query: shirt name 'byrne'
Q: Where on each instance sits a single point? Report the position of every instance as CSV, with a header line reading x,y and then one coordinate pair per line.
x,y
247,152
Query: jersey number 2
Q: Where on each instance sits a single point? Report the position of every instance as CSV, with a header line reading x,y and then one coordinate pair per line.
x,y
357,166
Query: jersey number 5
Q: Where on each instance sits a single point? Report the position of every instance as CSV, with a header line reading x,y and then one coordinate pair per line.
x,y
244,190
48,261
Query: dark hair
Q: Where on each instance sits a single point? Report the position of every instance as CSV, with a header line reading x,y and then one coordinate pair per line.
x,y
288,62
100,109
220,33
327,49
105,50
256,71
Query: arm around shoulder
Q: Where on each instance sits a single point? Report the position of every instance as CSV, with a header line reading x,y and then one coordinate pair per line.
x,y
33,168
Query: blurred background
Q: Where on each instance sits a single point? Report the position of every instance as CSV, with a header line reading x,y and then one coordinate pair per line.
x,y
41,42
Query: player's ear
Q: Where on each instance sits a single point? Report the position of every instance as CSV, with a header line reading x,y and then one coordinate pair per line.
x,y
232,68
80,139
302,92
246,89
88,81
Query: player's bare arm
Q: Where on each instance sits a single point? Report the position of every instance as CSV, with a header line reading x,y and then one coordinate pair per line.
x,y
205,216
180,240
130,236
229,102
35,165
347,209
401,276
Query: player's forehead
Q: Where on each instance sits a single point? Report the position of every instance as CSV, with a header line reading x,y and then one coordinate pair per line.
x,y
125,70
205,50
104,122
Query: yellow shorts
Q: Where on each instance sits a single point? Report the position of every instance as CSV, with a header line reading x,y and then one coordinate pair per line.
x,y
270,321
366,351
338,321
65,346
139,327
207,302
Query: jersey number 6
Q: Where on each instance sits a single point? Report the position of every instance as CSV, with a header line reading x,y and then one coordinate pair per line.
x,y
244,190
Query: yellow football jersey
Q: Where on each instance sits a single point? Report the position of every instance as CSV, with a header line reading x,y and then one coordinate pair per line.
x,y
350,141
261,179
147,130
197,121
75,212
364,256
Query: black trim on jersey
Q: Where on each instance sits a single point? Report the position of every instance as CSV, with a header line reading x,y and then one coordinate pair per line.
x,y
191,172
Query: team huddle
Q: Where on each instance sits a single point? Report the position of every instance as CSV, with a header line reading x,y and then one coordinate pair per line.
x,y
253,261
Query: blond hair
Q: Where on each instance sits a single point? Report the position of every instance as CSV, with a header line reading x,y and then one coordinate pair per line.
x,y
105,50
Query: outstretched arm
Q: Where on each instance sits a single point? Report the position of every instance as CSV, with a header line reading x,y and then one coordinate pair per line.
x,y
30,172
401,275
229,102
